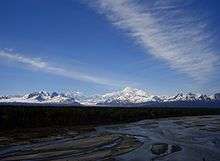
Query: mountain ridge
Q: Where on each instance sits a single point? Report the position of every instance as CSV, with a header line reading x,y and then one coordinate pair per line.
x,y
125,97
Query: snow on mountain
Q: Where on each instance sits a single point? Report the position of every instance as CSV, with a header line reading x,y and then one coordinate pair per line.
x,y
127,96
131,96
40,97
78,96
189,97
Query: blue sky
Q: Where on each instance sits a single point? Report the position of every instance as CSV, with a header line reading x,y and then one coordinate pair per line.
x,y
96,46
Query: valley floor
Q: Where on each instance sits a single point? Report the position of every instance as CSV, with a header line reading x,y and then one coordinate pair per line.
x,y
194,138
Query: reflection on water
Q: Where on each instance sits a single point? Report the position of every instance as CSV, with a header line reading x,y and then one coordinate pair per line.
x,y
169,139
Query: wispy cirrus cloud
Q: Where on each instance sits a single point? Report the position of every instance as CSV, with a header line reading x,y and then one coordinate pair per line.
x,y
43,66
166,29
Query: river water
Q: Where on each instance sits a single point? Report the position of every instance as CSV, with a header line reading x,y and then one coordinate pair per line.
x,y
194,138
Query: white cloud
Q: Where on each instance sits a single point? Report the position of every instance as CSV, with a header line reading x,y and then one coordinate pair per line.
x,y
167,30
38,64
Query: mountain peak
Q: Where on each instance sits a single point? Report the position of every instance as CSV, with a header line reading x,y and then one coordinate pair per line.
x,y
126,96
129,89
133,90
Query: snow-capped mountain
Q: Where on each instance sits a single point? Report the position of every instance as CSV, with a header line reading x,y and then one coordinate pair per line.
x,y
131,96
40,97
78,96
125,97
188,97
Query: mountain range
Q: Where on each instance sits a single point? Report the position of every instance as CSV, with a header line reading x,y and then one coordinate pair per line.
x,y
126,97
